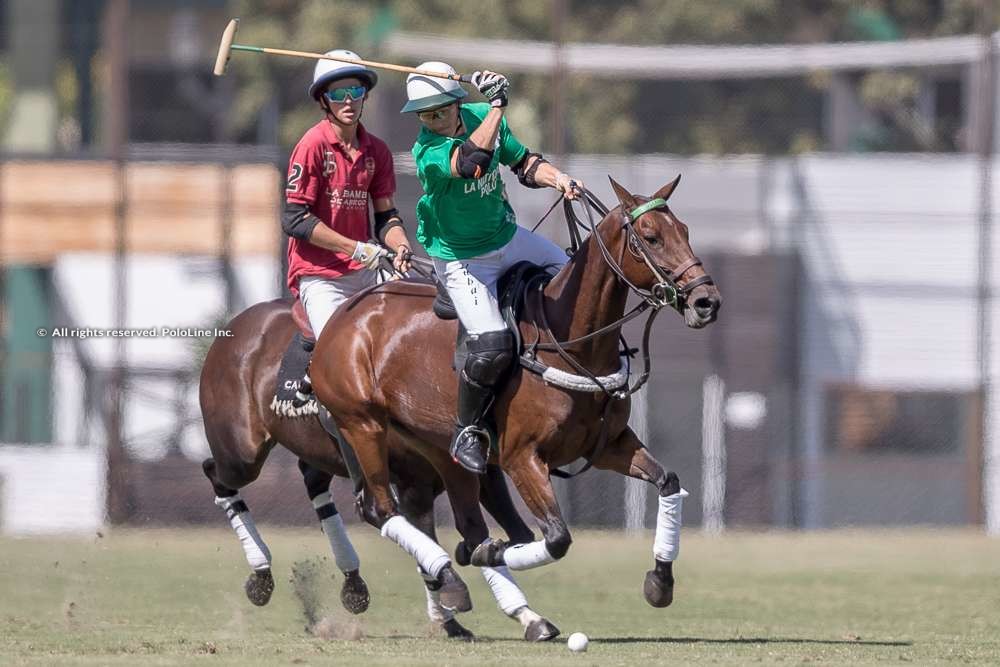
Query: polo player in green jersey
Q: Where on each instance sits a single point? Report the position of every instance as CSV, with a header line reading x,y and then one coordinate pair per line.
x,y
469,229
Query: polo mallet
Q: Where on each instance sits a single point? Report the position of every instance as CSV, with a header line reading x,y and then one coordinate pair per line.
x,y
226,47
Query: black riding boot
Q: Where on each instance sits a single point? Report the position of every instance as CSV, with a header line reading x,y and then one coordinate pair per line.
x,y
471,443
305,391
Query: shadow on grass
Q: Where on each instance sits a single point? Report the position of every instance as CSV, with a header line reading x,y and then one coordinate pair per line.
x,y
743,640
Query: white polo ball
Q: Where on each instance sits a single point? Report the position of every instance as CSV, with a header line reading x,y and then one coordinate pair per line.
x,y
577,642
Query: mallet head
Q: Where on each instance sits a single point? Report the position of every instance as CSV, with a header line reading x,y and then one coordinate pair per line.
x,y
225,45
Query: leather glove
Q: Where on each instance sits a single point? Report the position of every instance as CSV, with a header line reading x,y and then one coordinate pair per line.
x,y
369,254
493,86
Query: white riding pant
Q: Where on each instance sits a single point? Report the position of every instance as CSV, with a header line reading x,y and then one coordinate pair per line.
x,y
321,296
472,283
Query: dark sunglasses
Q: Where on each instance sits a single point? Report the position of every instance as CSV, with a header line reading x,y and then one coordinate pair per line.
x,y
341,94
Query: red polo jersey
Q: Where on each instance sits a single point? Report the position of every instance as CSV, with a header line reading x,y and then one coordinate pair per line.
x,y
337,190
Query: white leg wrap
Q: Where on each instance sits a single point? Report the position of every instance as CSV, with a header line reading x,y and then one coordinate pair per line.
x,y
527,556
668,527
509,596
333,526
435,611
257,553
428,553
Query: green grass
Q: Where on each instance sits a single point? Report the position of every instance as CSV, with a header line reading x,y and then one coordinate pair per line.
x,y
175,597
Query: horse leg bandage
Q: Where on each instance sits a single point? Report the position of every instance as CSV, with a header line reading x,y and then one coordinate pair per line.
x,y
333,527
509,596
527,556
435,611
427,552
257,553
668,526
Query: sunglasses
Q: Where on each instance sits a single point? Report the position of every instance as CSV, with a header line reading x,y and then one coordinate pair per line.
x,y
436,114
341,94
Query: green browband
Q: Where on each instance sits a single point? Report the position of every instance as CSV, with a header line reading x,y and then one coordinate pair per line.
x,y
648,206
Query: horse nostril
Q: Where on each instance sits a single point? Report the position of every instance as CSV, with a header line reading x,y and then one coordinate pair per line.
x,y
706,305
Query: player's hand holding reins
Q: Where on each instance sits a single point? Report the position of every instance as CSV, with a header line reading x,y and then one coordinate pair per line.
x,y
569,186
369,254
401,259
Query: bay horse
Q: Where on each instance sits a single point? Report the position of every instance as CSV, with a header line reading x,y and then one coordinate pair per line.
x,y
238,381
383,369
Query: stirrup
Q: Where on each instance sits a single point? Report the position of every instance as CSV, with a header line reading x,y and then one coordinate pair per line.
x,y
304,393
479,434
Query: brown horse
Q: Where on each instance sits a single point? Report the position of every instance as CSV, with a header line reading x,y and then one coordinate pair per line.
x,y
383,368
238,381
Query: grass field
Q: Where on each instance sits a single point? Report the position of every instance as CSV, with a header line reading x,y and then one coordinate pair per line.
x,y
175,597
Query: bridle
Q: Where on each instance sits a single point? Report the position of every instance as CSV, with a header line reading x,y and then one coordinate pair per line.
x,y
665,290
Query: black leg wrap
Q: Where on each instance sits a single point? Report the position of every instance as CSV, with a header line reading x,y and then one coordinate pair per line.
x,y
236,508
326,511
669,484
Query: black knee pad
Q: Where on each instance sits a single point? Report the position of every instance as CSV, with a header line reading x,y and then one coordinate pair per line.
x,y
490,355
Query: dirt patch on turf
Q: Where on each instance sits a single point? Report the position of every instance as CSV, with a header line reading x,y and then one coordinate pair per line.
x,y
314,585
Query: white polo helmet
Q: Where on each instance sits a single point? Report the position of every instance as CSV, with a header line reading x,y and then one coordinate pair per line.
x,y
328,71
426,92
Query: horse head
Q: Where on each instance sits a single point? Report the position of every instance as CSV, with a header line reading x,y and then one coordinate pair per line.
x,y
659,259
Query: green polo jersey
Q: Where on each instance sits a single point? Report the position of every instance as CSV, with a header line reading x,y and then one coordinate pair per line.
x,y
464,217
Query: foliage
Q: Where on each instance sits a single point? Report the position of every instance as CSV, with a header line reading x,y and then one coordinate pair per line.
x,y
626,116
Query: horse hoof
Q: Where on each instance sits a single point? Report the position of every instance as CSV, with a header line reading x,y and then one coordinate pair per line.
x,y
454,594
354,593
259,586
540,631
489,554
462,555
457,631
659,592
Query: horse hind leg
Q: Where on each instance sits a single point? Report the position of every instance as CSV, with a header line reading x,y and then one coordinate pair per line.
x,y
416,501
354,593
629,456
260,583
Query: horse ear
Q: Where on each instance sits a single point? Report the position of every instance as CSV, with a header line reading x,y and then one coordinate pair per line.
x,y
668,189
624,196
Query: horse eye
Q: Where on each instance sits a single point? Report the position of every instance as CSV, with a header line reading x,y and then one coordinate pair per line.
x,y
652,240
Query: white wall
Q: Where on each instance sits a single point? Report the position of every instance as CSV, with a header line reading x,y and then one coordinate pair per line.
x,y
51,489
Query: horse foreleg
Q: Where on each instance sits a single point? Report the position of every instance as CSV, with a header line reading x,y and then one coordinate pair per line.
x,y
354,591
531,477
495,497
368,438
629,456
260,584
